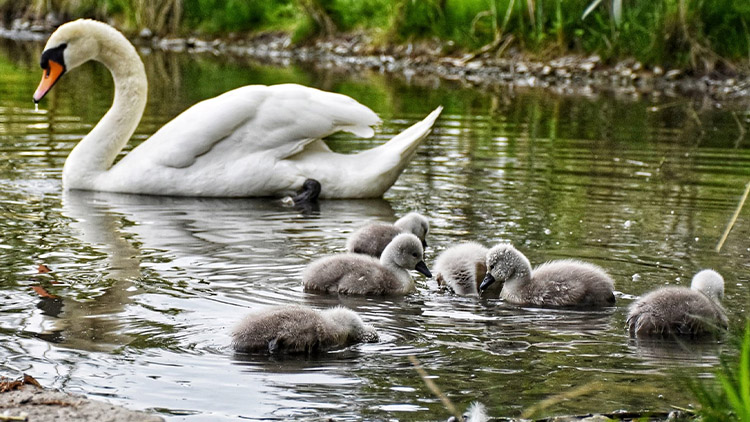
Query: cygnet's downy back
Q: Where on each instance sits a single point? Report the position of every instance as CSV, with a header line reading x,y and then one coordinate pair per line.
x,y
680,311
562,283
300,329
364,275
461,268
372,239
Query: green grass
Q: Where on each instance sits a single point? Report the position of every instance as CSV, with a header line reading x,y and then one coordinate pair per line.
x,y
698,35
729,400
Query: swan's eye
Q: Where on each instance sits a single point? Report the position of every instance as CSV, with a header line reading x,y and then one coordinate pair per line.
x,y
415,255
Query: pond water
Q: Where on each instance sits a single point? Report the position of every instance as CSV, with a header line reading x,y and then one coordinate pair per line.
x,y
144,291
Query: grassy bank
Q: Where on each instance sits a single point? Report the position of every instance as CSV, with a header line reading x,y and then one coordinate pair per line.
x,y
698,35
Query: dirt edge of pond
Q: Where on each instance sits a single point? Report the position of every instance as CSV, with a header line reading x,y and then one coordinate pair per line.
x,y
26,400
429,63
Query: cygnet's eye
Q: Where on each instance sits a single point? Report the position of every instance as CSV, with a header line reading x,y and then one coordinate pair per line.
x,y
415,255
492,267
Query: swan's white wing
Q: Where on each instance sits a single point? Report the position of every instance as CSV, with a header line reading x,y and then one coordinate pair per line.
x,y
278,120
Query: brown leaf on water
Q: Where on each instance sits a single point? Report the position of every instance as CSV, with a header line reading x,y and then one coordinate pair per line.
x,y
42,292
43,269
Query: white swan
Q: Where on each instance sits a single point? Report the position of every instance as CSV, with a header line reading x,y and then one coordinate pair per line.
x,y
252,141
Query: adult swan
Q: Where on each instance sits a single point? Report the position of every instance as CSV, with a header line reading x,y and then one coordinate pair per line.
x,y
252,141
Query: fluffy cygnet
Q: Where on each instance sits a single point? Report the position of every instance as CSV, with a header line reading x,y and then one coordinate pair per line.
x,y
566,282
300,329
364,275
461,268
373,238
672,310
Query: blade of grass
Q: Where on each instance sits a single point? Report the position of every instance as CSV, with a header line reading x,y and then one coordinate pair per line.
x,y
590,9
434,388
745,375
734,218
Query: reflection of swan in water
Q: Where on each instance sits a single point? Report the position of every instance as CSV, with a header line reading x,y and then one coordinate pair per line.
x,y
203,241
90,324
229,231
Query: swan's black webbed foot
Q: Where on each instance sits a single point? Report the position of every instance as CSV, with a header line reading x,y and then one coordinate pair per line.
x,y
308,193
305,199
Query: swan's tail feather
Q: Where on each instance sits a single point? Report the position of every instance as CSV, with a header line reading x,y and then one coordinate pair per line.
x,y
407,141
367,174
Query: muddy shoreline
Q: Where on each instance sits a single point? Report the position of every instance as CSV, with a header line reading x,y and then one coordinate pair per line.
x,y
428,63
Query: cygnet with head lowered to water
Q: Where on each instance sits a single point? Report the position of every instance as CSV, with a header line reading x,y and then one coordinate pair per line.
x,y
461,268
372,239
681,311
365,275
300,329
562,283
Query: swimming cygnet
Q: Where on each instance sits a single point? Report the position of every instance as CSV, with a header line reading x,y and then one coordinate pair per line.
x,y
373,238
461,268
566,282
300,329
364,275
673,310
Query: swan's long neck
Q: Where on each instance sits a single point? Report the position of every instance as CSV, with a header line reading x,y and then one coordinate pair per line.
x,y
97,151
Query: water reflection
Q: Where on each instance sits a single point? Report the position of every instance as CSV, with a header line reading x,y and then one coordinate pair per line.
x,y
94,324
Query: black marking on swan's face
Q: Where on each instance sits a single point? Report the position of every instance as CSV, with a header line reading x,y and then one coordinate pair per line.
x,y
55,54
53,67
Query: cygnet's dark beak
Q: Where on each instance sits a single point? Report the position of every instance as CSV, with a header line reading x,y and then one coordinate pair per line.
x,y
487,282
424,244
422,268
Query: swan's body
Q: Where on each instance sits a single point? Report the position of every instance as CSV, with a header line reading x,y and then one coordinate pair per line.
x,y
372,239
351,273
252,141
566,282
672,310
299,329
462,267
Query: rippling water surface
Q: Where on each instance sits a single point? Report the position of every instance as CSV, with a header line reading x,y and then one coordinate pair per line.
x,y
144,290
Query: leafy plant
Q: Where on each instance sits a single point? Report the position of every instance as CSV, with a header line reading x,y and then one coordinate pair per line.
x,y
730,399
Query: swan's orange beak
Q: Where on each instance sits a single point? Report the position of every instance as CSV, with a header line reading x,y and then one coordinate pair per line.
x,y
50,75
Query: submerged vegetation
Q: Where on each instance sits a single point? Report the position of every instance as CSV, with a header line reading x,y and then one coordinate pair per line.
x,y
699,35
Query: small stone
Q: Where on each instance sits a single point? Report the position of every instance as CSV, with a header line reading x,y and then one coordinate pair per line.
x,y
146,33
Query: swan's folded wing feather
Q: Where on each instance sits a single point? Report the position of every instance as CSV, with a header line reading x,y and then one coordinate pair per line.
x,y
279,120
